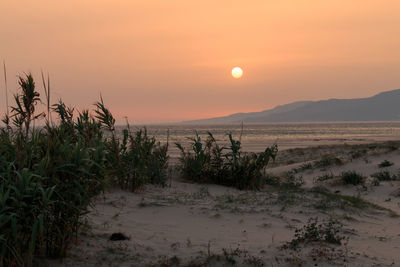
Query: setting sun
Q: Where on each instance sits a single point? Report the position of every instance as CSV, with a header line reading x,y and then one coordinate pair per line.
x,y
119,118
237,72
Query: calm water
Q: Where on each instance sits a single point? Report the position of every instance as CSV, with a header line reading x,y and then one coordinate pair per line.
x,y
256,137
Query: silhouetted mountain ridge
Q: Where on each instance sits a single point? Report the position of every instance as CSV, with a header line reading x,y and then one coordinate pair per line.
x,y
384,106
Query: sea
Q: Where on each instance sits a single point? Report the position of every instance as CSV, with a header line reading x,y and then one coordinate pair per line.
x,y
256,137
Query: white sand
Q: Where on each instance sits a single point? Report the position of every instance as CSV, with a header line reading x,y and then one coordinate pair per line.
x,y
194,222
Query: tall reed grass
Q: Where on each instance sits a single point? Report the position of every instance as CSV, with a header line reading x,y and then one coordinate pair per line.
x,y
49,176
209,162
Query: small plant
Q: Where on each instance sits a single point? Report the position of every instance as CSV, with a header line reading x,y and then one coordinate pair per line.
x,y
358,153
328,232
385,163
305,166
290,180
324,177
327,161
352,177
271,179
384,176
375,182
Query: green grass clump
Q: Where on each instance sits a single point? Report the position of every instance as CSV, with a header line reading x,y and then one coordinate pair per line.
x,y
305,166
324,177
357,153
352,177
384,176
327,161
376,182
271,179
49,176
328,232
291,181
385,163
328,200
209,163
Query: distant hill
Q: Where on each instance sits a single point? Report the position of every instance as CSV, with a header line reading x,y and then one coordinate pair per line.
x,y
381,107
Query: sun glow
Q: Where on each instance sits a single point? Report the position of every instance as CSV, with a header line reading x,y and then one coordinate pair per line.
x,y
237,72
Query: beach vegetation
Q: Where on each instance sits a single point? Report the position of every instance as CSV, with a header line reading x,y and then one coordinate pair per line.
x,y
375,182
208,162
271,179
324,177
352,177
49,175
327,161
355,154
313,231
305,166
384,176
291,181
385,163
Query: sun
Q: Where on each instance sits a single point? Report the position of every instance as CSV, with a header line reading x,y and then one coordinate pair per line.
x,y
237,72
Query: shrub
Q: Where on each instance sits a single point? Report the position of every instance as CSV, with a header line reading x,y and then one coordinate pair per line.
x,y
49,176
358,153
143,161
24,206
324,177
305,166
271,179
316,232
290,180
207,163
375,182
352,177
385,163
327,161
384,176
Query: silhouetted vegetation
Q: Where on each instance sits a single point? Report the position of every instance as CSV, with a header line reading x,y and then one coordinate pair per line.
x,y
291,181
352,177
209,163
328,232
384,176
327,161
385,163
50,175
324,177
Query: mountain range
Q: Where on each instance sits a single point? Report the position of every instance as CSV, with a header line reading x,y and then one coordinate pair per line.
x,y
384,106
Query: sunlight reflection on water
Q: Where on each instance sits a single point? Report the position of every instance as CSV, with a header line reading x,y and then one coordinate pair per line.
x,y
256,137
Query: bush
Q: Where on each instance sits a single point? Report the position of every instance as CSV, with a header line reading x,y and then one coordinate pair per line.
x,y
375,182
208,163
384,176
327,161
352,177
385,163
314,232
143,161
324,177
24,206
304,167
290,180
49,176
271,179
358,153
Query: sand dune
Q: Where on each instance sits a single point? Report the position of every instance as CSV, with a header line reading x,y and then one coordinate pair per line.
x,y
186,224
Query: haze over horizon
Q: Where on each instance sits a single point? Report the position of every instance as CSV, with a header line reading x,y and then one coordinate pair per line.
x,y
162,61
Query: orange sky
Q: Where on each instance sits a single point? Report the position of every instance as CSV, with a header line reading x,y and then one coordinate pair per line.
x,y
158,60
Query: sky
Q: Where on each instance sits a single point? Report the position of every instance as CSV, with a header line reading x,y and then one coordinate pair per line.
x,y
167,61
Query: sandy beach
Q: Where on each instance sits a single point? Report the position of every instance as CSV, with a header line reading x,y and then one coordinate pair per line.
x,y
186,224
199,133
